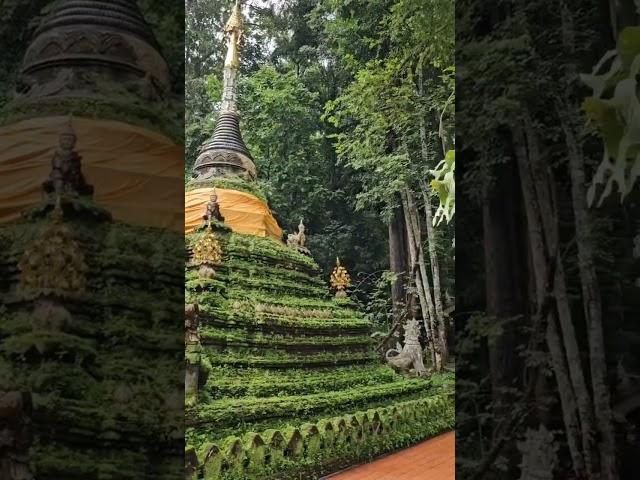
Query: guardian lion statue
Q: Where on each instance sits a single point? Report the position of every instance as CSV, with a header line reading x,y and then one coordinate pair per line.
x,y
409,357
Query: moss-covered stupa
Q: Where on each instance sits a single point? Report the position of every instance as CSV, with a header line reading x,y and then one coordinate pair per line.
x,y
282,378
91,284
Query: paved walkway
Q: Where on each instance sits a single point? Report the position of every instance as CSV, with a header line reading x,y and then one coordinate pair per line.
x,y
432,459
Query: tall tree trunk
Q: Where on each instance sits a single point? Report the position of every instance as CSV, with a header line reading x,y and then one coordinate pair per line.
x,y
422,282
543,182
506,292
437,322
435,262
540,262
592,302
592,308
431,240
398,261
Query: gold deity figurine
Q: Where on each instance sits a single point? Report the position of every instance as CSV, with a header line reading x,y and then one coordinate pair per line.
x,y
340,279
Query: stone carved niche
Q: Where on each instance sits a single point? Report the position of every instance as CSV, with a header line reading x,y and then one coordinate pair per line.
x,y
196,374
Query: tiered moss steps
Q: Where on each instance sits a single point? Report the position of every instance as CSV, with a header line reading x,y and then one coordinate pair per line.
x,y
104,373
293,363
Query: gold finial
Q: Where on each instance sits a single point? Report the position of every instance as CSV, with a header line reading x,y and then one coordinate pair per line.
x,y
235,21
340,279
233,30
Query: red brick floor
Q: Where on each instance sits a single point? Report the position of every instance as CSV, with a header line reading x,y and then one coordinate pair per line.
x,y
432,459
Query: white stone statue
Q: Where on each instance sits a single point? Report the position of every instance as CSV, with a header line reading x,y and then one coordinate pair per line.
x,y
410,356
297,240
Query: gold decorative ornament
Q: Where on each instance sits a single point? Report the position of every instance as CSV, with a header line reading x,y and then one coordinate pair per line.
x,y
54,260
207,252
233,31
340,279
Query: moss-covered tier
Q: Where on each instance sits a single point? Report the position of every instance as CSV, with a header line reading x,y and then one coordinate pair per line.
x,y
100,357
294,386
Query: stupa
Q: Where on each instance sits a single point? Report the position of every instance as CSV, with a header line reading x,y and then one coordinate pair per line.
x,y
91,284
98,61
282,378
224,160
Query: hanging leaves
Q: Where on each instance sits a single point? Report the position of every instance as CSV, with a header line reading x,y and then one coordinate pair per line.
x,y
614,108
444,184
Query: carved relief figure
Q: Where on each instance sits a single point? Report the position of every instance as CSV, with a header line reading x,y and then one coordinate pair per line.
x,y
410,356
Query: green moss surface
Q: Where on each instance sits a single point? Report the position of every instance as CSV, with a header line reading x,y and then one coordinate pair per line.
x,y
106,381
288,360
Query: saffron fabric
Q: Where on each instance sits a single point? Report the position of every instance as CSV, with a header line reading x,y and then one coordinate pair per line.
x,y
242,212
138,174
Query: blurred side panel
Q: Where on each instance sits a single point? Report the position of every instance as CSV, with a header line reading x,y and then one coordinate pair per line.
x,y
547,288
91,240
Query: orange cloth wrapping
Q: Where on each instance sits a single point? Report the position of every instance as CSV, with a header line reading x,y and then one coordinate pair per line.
x,y
138,175
242,212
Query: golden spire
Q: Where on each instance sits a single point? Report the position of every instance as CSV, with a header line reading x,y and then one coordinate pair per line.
x,y
233,31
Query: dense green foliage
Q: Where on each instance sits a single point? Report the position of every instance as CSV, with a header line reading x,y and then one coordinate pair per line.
x,y
538,142
105,363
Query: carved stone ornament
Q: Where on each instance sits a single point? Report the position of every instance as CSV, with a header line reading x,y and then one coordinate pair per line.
x,y
408,357
298,240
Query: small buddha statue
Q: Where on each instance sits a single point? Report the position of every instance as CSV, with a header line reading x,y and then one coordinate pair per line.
x,y
213,210
66,167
